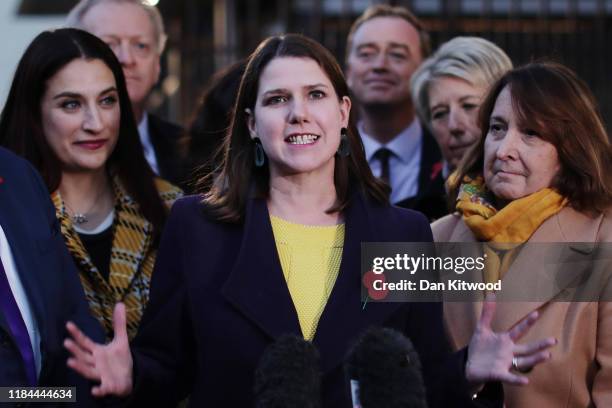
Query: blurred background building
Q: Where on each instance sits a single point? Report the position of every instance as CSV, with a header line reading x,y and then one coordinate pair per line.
x,y
205,35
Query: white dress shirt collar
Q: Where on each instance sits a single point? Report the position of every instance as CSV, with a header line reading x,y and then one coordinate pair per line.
x,y
404,146
147,146
404,162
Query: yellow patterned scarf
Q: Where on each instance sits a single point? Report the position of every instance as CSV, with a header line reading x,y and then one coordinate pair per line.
x,y
132,257
504,230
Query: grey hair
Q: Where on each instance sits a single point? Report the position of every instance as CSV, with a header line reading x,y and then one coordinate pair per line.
x,y
76,15
473,59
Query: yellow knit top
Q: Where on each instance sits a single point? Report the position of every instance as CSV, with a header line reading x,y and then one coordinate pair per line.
x,y
310,258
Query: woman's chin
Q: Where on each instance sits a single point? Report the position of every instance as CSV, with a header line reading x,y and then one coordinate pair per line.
x,y
508,193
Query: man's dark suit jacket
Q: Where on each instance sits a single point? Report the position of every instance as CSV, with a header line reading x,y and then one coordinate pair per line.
x,y
433,201
165,138
431,197
48,275
219,298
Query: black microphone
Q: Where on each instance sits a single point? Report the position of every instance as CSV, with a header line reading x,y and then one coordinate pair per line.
x,y
288,375
384,371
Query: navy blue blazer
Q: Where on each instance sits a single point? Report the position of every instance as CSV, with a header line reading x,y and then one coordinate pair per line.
x,y
219,298
48,275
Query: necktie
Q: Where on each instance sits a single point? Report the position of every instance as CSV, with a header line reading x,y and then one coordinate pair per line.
x,y
382,155
17,326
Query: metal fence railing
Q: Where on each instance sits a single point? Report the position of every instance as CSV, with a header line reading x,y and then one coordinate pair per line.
x,y
577,33
206,35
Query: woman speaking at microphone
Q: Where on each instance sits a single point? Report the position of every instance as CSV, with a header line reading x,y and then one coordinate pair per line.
x,y
274,248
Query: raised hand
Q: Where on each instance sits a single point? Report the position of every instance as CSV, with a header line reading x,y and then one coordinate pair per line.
x,y
497,357
109,364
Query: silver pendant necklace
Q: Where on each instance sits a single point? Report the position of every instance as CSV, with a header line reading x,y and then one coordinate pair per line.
x,y
80,218
77,218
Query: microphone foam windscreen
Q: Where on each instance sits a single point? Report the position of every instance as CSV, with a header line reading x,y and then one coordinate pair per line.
x,y
388,370
288,375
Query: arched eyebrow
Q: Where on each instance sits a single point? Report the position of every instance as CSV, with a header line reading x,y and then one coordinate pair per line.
x,y
500,119
461,100
314,86
285,90
466,97
69,94
108,90
438,105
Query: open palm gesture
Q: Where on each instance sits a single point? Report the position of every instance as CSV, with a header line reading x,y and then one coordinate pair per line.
x,y
497,356
109,364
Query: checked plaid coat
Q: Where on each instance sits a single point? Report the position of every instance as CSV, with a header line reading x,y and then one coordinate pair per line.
x,y
132,258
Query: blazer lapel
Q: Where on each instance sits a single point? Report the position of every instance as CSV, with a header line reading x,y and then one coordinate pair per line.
x,y
574,232
574,235
131,242
21,248
460,318
344,317
462,233
256,285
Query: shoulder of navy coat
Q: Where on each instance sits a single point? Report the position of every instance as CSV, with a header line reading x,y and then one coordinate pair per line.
x,y
48,274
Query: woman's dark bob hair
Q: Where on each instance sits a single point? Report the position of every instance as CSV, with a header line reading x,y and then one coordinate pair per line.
x,y
238,175
551,100
21,128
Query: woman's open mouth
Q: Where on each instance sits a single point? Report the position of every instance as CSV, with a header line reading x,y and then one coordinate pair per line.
x,y
302,139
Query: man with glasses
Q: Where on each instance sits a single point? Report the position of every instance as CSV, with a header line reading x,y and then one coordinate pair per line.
x,y
135,32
